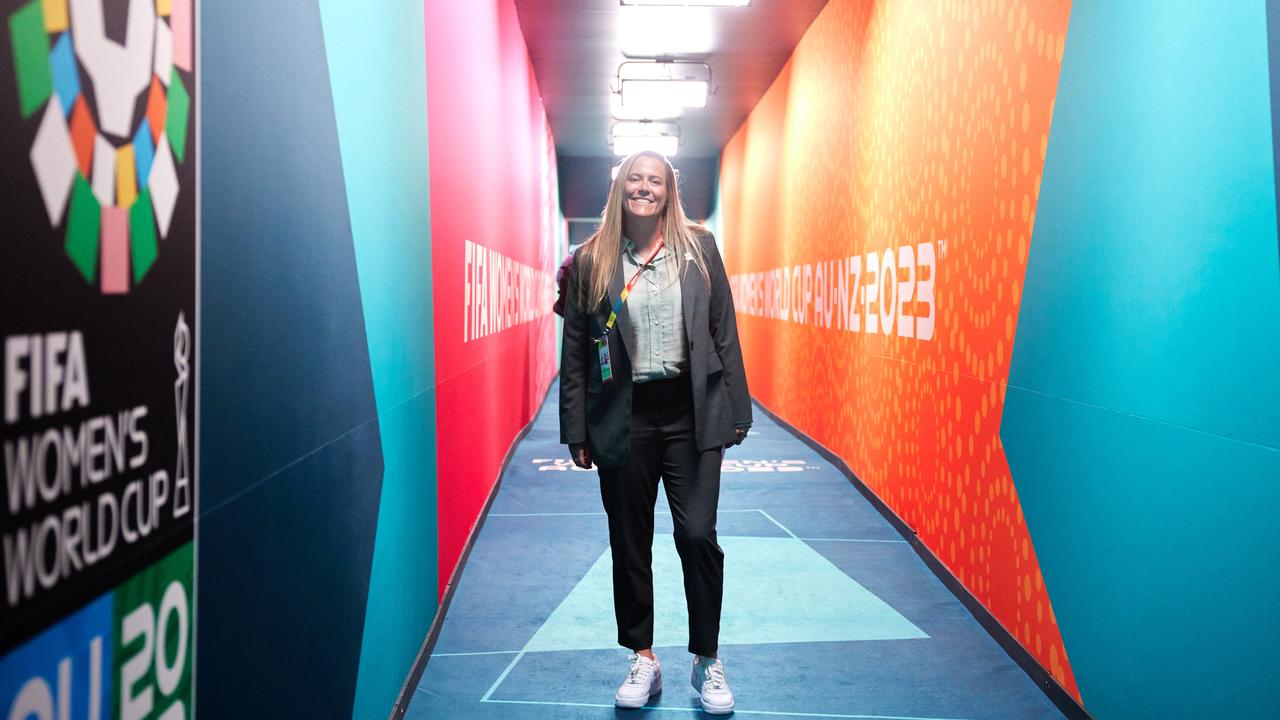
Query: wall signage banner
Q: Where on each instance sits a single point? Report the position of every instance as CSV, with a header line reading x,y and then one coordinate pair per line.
x,y
495,247
877,210
98,266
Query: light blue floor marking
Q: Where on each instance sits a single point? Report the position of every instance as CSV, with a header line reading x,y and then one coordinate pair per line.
x,y
503,676
904,542
754,510
468,654
539,514
777,590
736,711
564,514
775,522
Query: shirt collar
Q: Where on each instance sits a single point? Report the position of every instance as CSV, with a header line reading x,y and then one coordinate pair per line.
x,y
629,248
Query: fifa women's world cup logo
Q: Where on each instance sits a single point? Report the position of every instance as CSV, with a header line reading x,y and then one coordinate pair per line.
x,y
114,109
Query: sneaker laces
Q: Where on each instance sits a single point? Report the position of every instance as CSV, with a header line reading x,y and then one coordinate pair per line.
x,y
715,676
639,672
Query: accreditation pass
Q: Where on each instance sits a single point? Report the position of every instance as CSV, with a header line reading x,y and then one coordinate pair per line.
x,y
606,364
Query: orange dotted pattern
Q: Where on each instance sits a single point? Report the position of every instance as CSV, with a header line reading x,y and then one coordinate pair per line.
x,y
899,123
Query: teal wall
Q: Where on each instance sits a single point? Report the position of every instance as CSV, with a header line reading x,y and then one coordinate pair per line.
x,y
1142,420
291,448
377,69
319,401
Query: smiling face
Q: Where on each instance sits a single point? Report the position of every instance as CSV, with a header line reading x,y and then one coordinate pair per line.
x,y
644,189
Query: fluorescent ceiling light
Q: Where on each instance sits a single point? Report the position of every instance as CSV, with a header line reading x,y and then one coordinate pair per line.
x,y
691,3
663,84
663,70
645,128
665,144
682,93
665,31
642,111
632,137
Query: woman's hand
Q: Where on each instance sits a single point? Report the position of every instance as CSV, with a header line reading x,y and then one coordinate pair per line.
x,y
741,435
581,455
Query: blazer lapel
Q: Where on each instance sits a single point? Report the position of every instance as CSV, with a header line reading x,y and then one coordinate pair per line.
x,y
690,293
623,324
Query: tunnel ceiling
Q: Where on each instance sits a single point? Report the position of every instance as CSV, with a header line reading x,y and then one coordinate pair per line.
x,y
574,46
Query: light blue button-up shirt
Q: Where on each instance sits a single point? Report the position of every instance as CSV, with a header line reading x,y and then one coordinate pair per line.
x,y
657,316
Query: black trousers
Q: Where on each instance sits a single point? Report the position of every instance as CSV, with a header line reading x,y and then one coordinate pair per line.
x,y
663,447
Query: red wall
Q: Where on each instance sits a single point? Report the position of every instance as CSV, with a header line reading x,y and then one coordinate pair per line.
x,y
492,163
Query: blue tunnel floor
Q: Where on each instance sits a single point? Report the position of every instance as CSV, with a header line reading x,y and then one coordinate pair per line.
x,y
828,612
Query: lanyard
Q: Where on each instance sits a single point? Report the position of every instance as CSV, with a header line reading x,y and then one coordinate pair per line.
x,y
622,298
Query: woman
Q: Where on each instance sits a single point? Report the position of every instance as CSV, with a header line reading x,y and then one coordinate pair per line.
x,y
652,387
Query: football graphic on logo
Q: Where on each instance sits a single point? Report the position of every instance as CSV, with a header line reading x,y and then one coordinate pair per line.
x,y
113,119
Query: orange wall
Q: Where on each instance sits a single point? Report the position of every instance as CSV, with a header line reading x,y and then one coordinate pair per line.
x,y
904,125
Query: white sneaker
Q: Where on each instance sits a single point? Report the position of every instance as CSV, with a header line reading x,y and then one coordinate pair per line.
x,y
708,680
644,680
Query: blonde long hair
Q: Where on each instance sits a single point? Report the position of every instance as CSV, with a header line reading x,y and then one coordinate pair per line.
x,y
604,248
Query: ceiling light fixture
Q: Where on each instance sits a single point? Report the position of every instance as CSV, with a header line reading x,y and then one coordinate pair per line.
x,y
663,84
684,93
648,32
640,111
632,137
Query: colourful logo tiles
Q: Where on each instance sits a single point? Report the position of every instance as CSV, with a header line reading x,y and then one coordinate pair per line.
x,y
126,654
114,118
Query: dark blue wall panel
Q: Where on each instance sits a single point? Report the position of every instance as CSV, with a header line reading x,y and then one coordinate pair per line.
x,y
291,464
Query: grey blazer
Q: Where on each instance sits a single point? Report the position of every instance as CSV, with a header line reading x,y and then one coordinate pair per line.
x,y
599,414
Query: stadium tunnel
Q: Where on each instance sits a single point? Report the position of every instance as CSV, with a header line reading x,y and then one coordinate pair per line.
x,y
280,411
